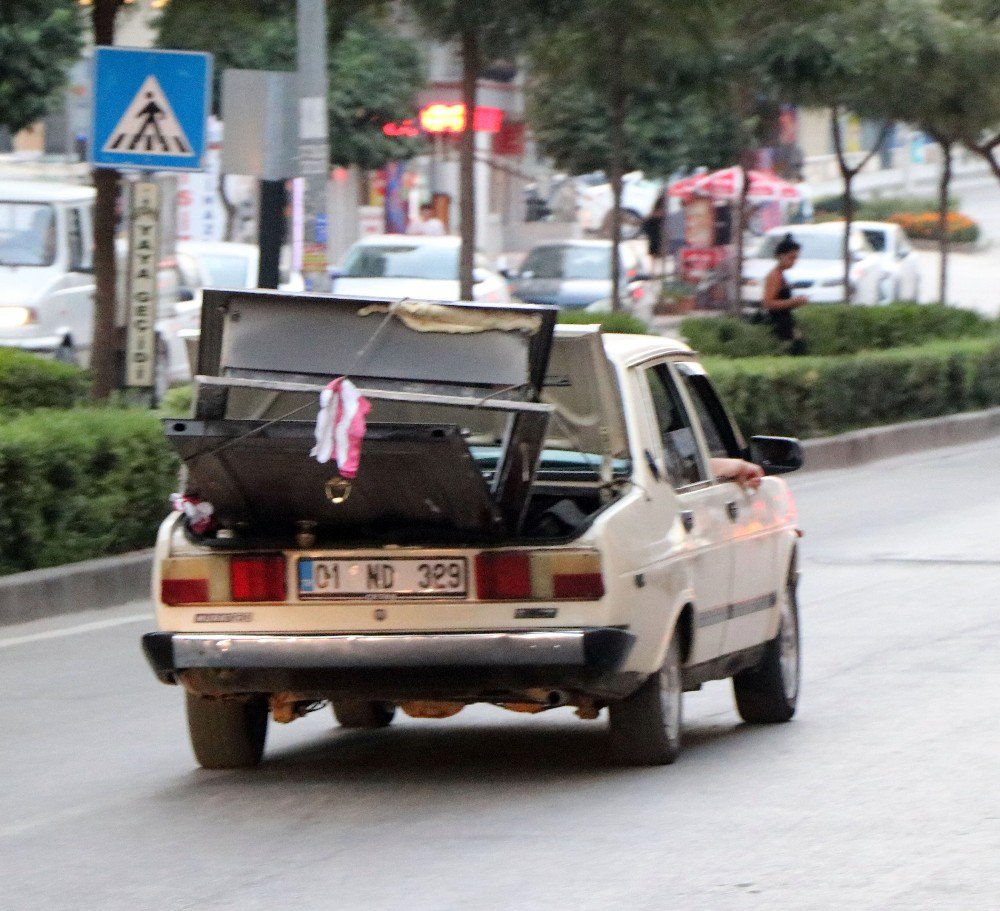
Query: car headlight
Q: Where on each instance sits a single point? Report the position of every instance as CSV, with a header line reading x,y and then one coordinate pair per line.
x,y
15,317
833,283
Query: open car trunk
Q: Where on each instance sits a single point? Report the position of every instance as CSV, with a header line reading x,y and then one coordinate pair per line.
x,y
436,376
454,437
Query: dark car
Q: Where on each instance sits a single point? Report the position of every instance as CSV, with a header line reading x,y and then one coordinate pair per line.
x,y
575,274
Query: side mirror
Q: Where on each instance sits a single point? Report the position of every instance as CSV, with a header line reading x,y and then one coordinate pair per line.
x,y
642,277
777,455
185,294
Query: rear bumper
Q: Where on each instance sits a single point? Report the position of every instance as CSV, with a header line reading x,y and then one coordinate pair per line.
x,y
601,650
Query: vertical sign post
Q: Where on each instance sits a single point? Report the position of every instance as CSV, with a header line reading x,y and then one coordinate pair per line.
x,y
143,260
314,141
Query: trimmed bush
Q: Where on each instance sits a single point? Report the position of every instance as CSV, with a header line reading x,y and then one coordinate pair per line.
x,y
178,401
79,484
623,322
28,382
926,226
834,329
832,207
816,396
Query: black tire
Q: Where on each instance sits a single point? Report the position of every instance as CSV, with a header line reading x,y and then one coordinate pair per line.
x,y
631,225
769,692
646,726
362,714
66,353
227,733
161,370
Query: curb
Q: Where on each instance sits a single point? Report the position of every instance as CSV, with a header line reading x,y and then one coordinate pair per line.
x,y
111,581
859,447
89,585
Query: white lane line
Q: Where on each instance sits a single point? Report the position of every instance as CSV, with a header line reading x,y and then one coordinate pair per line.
x,y
74,630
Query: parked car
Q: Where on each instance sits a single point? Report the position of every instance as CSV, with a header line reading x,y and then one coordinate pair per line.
x,y
535,521
819,273
417,266
899,261
575,274
596,200
226,264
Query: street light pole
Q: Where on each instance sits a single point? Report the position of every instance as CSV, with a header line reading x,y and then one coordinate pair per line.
x,y
314,141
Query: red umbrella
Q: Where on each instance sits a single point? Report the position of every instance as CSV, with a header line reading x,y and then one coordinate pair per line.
x,y
727,184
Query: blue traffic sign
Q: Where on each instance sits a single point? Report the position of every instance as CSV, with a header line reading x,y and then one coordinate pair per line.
x,y
150,109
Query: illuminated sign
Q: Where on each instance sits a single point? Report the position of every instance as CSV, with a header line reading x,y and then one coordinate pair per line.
x,y
446,118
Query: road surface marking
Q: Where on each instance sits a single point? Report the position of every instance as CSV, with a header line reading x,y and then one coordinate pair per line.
x,y
74,630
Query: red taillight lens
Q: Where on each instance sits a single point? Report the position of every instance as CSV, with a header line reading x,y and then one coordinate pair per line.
x,y
183,591
257,578
578,586
503,576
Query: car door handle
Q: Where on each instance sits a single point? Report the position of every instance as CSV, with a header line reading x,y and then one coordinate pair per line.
x,y
687,519
733,510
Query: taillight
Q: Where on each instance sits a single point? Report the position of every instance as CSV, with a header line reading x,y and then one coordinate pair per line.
x,y
522,575
183,591
503,576
260,577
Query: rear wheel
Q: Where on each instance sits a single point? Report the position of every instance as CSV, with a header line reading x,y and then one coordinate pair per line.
x,y
227,733
646,726
363,714
66,353
769,692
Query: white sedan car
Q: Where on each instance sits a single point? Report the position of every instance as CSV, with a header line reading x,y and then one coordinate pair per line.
x,y
535,517
899,261
415,266
819,273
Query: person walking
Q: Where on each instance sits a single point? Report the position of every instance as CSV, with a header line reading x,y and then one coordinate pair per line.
x,y
778,302
428,223
652,227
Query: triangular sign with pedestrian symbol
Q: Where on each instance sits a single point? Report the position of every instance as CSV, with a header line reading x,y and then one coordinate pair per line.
x,y
149,126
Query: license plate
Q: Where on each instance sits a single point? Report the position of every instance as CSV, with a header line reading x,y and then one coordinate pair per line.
x,y
383,579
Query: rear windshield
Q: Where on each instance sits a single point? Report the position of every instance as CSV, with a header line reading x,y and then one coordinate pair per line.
x,y
27,234
402,261
227,270
568,263
814,246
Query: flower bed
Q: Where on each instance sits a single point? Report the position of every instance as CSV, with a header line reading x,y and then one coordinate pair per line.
x,y
926,226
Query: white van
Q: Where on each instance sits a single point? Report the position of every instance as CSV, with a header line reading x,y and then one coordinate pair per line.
x,y
47,268
47,278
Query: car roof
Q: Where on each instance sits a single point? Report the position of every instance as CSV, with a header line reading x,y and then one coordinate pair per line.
x,y
412,240
44,191
826,227
631,349
571,242
194,247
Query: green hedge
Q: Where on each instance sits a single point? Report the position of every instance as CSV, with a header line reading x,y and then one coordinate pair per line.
x,y
80,483
880,209
816,396
28,382
834,329
609,322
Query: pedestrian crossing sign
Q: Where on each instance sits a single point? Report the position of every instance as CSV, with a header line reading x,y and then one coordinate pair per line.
x,y
150,109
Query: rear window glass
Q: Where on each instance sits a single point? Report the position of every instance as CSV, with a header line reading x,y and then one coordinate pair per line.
x,y
569,263
402,261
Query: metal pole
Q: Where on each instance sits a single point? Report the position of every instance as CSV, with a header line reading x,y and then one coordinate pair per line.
x,y
270,232
314,146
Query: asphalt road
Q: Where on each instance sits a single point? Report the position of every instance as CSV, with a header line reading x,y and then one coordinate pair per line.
x,y
884,793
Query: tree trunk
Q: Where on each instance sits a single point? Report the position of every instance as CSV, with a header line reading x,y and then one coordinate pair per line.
x,y
103,357
742,105
617,164
943,187
847,175
467,161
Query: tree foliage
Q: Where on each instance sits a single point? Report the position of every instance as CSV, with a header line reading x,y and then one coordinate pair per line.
x,y
375,73
39,41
